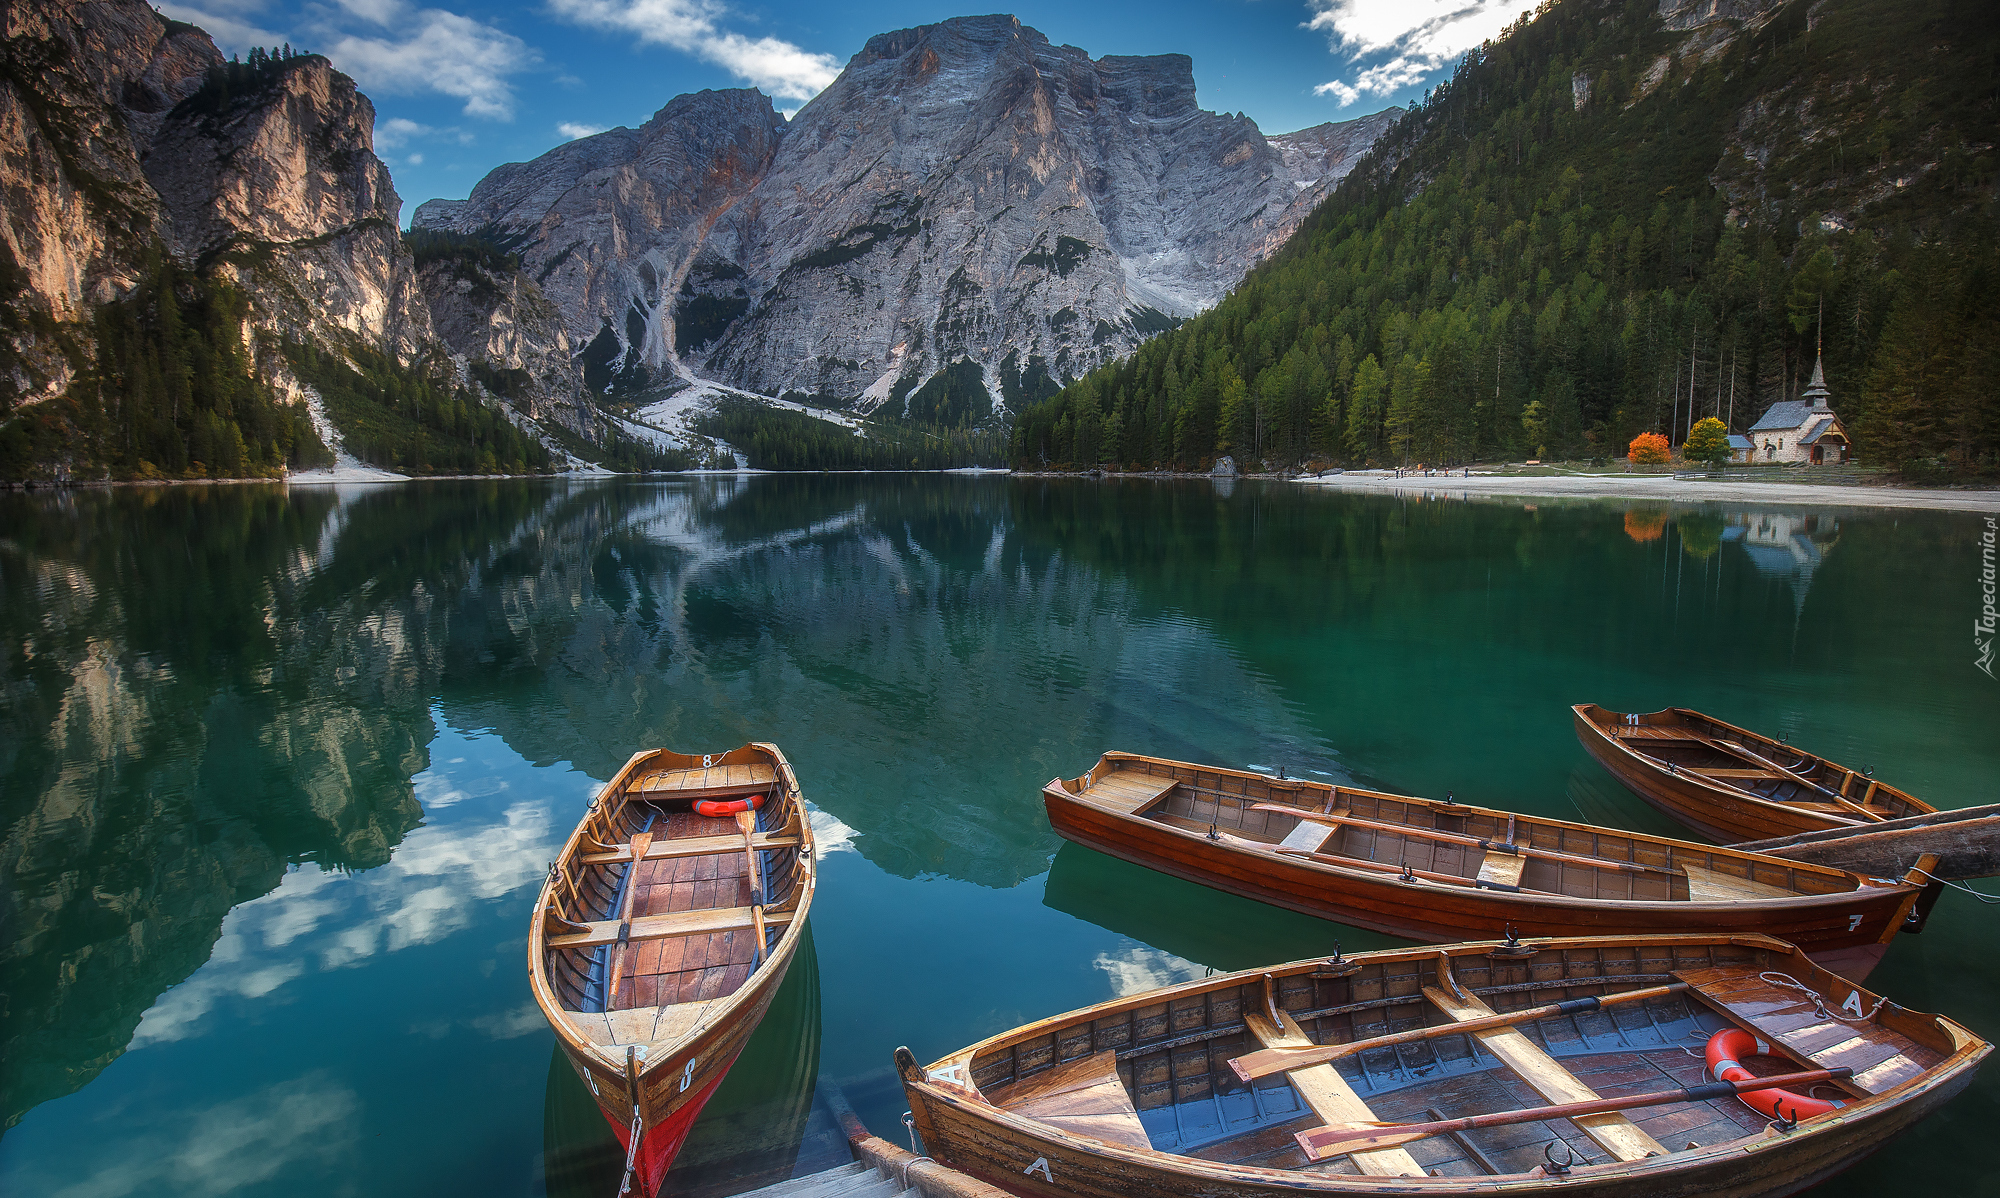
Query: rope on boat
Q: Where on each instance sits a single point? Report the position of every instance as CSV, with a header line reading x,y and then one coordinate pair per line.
x,y
1819,1000
632,1153
1984,898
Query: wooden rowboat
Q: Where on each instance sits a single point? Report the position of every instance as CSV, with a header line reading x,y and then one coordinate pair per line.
x,y
655,971
1732,785
1438,872
1573,1067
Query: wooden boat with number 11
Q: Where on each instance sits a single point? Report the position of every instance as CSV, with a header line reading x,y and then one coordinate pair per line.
x,y
1730,784
1438,872
1566,1066
663,931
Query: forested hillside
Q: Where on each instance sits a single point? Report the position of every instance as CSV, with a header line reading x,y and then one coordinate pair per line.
x,y
1604,225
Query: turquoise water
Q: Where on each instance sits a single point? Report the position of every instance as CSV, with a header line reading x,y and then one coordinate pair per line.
x,y
283,769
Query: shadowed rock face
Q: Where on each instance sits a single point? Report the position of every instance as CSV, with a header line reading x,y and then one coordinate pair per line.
x,y
962,191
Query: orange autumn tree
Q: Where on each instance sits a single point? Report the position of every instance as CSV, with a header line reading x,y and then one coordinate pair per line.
x,y
1649,449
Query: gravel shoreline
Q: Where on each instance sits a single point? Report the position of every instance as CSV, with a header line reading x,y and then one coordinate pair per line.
x,y
1662,487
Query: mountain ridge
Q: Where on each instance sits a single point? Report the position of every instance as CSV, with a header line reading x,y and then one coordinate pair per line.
x,y
999,210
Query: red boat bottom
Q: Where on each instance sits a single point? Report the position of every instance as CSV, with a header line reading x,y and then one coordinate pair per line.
x,y
662,1142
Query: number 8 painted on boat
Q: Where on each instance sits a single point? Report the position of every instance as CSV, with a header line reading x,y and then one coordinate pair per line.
x,y
687,1075
707,760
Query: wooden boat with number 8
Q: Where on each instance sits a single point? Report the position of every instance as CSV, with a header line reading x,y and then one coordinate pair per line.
x,y
1441,871
1730,784
663,931
1572,1066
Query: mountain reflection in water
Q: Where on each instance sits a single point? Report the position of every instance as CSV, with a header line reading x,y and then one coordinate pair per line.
x,y
282,768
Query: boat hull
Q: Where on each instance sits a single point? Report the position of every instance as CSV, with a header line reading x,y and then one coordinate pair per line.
x,y
1847,931
672,1077
1723,814
1013,1154
1168,1041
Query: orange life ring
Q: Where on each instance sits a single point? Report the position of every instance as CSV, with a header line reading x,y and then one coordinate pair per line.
x,y
1728,1047
714,807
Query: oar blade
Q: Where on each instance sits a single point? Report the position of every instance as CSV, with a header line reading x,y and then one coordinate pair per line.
x,y
1339,1139
1265,1062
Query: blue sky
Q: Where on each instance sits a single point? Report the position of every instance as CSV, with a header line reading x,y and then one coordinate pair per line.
x,y
460,88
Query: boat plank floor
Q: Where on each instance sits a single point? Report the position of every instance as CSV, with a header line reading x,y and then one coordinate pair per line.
x,y
1880,1058
1127,791
689,968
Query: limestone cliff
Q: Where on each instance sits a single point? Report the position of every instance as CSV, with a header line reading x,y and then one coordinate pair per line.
x,y
963,191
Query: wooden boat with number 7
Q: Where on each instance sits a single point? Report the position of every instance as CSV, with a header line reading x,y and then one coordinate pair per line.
x,y
663,931
1730,784
1571,1066
1441,871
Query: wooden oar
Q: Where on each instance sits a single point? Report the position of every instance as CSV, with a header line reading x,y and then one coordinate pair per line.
x,y
1454,838
1379,866
1323,1142
1264,1063
1743,752
641,841
746,823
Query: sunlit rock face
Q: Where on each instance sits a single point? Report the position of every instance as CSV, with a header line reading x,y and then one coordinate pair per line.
x,y
109,147
963,192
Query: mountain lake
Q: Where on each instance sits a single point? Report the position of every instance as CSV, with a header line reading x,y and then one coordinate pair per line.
x,y
284,768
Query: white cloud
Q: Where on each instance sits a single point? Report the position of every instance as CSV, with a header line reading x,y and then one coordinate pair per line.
x,y
575,129
1419,36
1139,969
397,131
439,51
226,22
778,67
300,1127
415,160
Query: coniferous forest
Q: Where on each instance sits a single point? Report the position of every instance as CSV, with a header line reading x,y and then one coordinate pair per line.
x,y
171,394
1601,227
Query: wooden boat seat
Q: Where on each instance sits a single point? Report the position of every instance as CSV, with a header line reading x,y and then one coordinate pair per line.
x,y
1708,886
1615,1133
1880,1057
640,1025
1328,1095
677,923
1731,774
712,782
1502,869
1308,836
692,846
1127,792
1082,1097
1649,732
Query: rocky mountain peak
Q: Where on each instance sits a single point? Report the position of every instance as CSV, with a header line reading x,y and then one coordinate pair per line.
x,y
965,195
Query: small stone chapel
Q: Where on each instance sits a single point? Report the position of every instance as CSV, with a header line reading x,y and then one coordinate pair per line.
x,y
1801,430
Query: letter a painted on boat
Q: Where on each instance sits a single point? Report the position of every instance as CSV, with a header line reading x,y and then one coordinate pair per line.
x,y
1853,1004
1041,1166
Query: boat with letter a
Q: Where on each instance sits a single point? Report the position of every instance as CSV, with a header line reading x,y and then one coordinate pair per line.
x,y
1563,1066
1440,871
663,931
1730,784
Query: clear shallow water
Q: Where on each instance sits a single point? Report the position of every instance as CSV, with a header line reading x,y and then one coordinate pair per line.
x,y
283,770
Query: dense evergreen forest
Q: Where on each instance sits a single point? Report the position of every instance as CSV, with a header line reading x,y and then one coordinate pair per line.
x,y
1600,227
409,422
170,394
782,439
